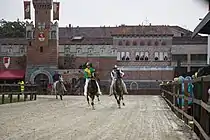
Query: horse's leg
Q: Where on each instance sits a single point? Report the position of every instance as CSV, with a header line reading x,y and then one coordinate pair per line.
x,y
115,95
118,101
88,100
122,100
92,101
98,98
61,95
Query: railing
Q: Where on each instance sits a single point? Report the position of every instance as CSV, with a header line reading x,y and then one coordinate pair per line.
x,y
192,106
15,89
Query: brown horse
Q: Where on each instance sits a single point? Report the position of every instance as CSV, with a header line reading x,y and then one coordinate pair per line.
x,y
92,91
118,90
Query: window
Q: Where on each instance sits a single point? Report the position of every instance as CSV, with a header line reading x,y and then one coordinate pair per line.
x,y
122,55
163,43
90,50
67,51
21,50
165,56
198,57
156,56
41,49
79,38
102,50
182,57
120,43
142,43
127,56
146,56
137,56
28,34
156,43
149,43
118,55
53,35
161,56
10,50
141,55
113,51
127,43
134,43
79,51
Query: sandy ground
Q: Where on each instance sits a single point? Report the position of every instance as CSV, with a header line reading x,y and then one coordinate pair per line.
x,y
143,118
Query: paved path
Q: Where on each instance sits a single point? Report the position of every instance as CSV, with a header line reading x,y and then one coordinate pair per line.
x,y
143,118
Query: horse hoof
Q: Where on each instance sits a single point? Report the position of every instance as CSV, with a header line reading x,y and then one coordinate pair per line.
x,y
123,104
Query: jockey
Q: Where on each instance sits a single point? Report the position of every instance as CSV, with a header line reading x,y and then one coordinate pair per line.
x,y
114,76
87,74
58,77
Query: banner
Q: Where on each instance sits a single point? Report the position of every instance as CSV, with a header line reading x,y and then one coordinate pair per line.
x,y
27,10
56,8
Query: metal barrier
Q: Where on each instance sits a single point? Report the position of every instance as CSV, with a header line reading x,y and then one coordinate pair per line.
x,y
192,107
14,90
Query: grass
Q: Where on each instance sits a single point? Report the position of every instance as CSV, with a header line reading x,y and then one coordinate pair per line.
x,y
14,99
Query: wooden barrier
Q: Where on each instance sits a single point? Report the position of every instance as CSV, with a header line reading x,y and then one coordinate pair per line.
x,y
14,89
196,109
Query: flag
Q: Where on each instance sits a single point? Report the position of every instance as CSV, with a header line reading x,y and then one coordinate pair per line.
x,y
27,10
56,8
6,61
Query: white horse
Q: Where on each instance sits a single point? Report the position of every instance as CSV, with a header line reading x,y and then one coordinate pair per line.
x,y
58,87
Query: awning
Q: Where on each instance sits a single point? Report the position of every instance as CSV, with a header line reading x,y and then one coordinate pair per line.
x,y
203,27
11,74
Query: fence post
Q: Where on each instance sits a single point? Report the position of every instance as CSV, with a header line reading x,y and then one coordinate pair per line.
x,y
209,97
174,93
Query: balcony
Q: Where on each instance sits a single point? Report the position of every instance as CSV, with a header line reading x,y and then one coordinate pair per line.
x,y
190,63
143,63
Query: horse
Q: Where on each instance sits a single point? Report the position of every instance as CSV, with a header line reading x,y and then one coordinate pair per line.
x,y
92,91
58,88
118,90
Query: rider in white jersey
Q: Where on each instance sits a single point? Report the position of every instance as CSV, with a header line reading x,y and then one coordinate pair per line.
x,y
114,76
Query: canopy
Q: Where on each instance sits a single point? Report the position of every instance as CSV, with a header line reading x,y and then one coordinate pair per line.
x,y
203,27
11,74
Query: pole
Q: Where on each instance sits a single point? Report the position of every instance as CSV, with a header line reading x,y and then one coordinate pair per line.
x,y
208,50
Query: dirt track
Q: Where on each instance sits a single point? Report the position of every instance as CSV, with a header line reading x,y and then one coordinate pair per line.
x,y
143,118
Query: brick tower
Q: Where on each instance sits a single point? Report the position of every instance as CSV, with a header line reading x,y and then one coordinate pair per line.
x,y
42,51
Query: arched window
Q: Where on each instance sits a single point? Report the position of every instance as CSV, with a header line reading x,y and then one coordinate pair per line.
x,y
127,43
120,43
41,49
142,43
134,43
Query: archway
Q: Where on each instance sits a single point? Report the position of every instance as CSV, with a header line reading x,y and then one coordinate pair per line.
x,y
134,85
42,80
34,74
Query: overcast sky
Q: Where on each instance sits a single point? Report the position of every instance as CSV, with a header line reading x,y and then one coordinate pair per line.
x,y
185,13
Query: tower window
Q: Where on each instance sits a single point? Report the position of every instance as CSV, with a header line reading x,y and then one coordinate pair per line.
x,y
41,49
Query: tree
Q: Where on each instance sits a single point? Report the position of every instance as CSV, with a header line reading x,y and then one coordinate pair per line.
x,y
12,29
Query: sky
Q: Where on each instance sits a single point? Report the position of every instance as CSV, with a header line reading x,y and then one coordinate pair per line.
x,y
184,13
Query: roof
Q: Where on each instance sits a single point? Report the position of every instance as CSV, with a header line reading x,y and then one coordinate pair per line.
x,y
103,32
203,27
104,35
189,41
12,74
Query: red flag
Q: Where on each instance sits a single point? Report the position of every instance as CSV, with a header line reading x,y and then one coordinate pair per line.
x,y
56,8
27,10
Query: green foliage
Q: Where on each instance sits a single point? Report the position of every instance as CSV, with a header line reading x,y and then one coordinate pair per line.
x,y
12,29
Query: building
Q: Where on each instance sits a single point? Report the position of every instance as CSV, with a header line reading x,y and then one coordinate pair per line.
x,y
148,54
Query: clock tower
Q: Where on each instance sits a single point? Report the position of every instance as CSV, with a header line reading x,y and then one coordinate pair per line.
x,y
42,51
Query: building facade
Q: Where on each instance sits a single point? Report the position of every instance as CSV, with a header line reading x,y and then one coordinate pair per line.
x,y
148,54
